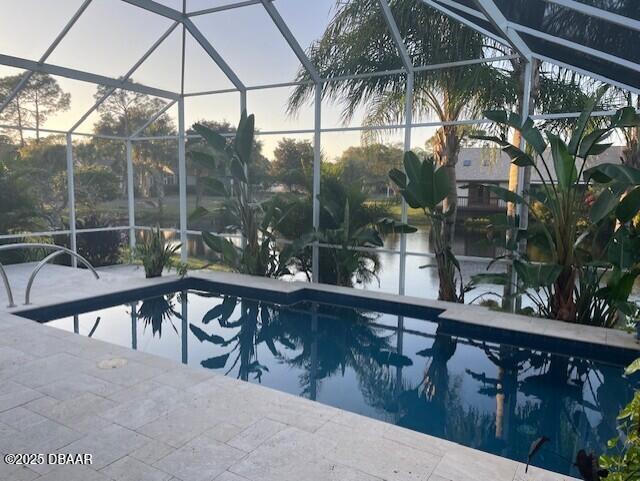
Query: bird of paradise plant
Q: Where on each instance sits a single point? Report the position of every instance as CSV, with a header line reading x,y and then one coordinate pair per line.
x,y
554,285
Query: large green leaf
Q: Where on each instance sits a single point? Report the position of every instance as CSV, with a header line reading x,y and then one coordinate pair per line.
x,y
625,117
629,206
606,202
527,128
198,213
590,144
563,162
412,166
441,185
624,249
387,225
215,186
422,185
533,137
427,184
504,194
518,157
599,148
419,183
500,279
491,138
203,160
398,177
223,247
633,367
537,275
583,120
605,173
237,170
244,137
214,139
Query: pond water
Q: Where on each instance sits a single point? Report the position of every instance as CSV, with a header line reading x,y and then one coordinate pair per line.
x,y
420,282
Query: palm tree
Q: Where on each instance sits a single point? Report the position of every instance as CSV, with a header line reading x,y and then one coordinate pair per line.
x,y
357,41
631,150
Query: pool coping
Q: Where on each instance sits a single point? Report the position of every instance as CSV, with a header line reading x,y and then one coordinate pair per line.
x,y
473,319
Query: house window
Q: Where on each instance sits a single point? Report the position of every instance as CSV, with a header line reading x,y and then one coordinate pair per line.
x,y
466,162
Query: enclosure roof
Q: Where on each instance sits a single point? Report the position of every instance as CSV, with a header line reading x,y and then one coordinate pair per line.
x,y
599,38
596,38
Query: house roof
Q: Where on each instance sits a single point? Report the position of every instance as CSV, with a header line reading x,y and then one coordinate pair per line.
x,y
477,164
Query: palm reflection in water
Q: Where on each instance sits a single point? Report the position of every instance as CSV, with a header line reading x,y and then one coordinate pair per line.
x,y
572,401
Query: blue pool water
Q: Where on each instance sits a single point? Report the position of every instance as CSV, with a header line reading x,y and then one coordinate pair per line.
x,y
474,386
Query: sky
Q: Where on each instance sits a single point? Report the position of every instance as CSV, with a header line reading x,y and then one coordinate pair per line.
x,y
111,36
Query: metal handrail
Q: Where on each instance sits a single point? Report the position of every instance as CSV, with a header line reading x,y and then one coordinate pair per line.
x,y
58,250
7,287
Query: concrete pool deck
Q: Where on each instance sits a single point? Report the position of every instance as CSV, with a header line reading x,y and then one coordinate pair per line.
x,y
144,417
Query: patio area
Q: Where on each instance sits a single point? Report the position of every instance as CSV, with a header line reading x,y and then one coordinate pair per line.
x,y
143,417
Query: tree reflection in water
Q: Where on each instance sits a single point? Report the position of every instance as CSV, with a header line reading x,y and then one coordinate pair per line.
x,y
572,401
155,311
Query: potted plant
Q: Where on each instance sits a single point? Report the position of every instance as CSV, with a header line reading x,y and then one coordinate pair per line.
x,y
156,254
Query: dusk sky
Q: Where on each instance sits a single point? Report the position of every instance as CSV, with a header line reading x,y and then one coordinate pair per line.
x,y
112,35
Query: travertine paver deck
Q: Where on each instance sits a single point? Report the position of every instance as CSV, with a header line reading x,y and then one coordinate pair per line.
x,y
154,419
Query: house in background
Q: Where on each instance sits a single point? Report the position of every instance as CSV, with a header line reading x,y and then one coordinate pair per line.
x,y
479,166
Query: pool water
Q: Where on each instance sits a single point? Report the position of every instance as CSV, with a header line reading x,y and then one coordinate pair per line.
x,y
415,373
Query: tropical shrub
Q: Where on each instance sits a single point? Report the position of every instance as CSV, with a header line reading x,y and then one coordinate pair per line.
x,y
567,286
425,186
624,464
19,207
155,253
99,248
258,253
348,223
95,184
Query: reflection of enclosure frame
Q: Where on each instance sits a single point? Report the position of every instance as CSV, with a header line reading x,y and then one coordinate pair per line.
x,y
487,12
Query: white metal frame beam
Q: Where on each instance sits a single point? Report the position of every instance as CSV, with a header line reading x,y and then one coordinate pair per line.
x,y
182,181
317,164
463,8
83,76
155,117
408,120
221,8
573,45
291,40
497,18
598,13
126,76
157,8
212,52
71,193
396,36
16,90
178,16
468,23
587,73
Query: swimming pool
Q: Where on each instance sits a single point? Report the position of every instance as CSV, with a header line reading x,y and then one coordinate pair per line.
x,y
491,390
